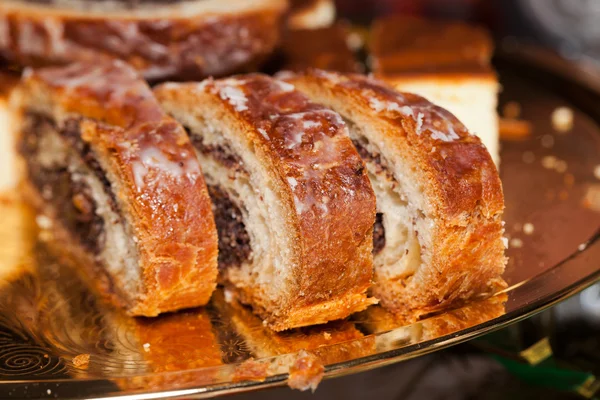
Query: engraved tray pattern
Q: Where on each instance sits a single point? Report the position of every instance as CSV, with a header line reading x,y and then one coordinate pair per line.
x,y
49,323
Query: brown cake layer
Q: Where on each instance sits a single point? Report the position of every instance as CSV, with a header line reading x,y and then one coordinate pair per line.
x,y
410,45
324,48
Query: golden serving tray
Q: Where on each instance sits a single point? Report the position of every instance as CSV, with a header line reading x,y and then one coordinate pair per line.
x,y
56,340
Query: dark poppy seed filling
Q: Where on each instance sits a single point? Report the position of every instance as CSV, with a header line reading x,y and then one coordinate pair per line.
x,y
378,229
221,154
234,242
70,196
378,234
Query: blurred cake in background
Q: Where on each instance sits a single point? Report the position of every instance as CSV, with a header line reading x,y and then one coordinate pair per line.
x,y
164,39
8,167
325,48
311,14
446,62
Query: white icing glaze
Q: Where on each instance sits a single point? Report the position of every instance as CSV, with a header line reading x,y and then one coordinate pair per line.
x,y
235,96
331,76
263,133
284,86
337,119
445,137
292,181
294,140
310,124
420,117
152,158
301,206
378,106
424,121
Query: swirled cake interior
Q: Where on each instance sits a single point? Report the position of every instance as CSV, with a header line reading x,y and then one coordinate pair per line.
x,y
228,208
395,233
77,194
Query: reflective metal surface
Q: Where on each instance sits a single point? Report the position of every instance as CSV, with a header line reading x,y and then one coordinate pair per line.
x,y
56,340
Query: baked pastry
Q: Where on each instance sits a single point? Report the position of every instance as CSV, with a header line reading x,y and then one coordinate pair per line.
x,y
117,183
283,177
9,171
163,39
448,63
324,48
438,236
334,342
311,14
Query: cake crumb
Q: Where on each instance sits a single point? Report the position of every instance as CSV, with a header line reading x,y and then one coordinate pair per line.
x,y
562,119
306,372
81,361
505,242
327,335
511,110
582,247
516,243
528,228
146,347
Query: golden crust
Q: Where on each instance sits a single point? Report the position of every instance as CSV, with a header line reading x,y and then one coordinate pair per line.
x,y
335,342
458,179
193,40
124,125
320,179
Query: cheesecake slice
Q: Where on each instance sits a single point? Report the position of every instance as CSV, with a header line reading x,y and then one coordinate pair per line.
x,y
448,63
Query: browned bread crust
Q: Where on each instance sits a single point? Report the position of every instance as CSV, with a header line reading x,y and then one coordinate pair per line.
x,y
448,168
152,172
328,341
187,39
317,184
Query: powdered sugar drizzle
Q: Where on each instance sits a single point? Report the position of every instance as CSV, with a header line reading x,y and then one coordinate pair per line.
x,y
152,158
293,182
284,86
445,137
294,140
234,96
432,118
378,106
420,117
263,133
310,124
